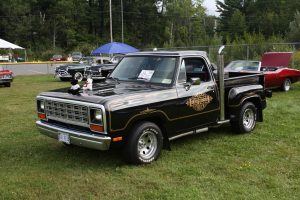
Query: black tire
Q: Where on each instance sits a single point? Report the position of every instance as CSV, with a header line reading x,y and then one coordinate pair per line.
x,y
287,84
67,145
7,84
64,79
144,143
245,121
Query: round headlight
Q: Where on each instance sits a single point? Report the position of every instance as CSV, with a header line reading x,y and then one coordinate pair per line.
x,y
98,115
42,105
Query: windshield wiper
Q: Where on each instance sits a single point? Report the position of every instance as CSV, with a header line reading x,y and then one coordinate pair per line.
x,y
138,79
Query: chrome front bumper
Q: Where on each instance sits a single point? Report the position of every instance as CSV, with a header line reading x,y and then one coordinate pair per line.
x,y
5,80
78,138
63,75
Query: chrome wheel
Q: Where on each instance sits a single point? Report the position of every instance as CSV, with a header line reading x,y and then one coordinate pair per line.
x,y
287,84
147,144
78,76
248,118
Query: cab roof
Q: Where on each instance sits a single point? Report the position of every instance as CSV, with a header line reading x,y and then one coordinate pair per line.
x,y
169,53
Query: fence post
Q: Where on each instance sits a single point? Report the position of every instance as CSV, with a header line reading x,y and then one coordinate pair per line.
x,y
293,58
247,52
47,68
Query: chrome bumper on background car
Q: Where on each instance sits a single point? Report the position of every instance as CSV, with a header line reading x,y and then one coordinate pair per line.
x,y
63,73
78,138
5,80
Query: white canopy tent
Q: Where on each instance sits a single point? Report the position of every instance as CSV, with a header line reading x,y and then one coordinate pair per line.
x,y
7,45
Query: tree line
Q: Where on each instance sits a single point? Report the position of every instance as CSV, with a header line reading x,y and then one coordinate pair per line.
x,y
45,27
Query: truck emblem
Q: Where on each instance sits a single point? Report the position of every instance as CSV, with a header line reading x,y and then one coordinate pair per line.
x,y
199,101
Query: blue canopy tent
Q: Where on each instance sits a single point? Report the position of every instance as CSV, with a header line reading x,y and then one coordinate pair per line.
x,y
114,48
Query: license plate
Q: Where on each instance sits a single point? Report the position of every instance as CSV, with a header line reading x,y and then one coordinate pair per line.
x,y
64,137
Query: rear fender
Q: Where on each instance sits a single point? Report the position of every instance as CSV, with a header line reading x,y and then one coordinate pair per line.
x,y
237,97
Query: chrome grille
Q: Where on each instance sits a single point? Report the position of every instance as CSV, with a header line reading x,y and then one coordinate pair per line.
x,y
62,72
66,112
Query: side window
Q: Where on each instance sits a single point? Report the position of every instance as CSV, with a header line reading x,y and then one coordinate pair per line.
x,y
194,68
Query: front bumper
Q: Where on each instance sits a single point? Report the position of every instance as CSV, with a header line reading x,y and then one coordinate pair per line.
x,y
63,75
5,80
78,138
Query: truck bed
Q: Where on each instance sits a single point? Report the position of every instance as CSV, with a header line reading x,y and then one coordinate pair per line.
x,y
235,79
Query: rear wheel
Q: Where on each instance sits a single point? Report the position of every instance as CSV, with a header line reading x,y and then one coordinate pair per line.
x,y
7,84
144,143
246,119
287,84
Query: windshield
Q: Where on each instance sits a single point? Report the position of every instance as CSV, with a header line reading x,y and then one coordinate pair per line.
x,y
86,60
152,69
57,56
76,54
243,65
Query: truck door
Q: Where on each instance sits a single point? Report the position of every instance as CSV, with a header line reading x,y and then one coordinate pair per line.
x,y
198,100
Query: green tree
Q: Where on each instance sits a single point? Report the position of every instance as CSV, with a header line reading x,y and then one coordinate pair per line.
x,y
294,32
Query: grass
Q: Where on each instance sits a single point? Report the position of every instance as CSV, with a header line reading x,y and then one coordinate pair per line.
x,y
213,165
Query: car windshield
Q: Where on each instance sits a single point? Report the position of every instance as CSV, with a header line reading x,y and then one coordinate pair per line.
x,y
86,60
76,54
243,65
57,56
152,69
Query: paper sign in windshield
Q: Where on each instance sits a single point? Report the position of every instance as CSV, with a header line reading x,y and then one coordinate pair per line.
x,y
146,74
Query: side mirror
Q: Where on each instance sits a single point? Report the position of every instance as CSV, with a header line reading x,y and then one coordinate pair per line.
x,y
195,81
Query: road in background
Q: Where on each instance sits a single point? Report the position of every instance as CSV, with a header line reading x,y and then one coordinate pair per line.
x,y
31,69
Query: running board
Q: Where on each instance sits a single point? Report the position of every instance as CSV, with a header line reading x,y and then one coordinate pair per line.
x,y
189,133
223,122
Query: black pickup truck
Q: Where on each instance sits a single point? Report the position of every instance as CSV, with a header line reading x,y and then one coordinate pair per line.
x,y
150,99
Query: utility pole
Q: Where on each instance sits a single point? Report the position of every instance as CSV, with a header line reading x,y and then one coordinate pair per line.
x,y
110,17
122,21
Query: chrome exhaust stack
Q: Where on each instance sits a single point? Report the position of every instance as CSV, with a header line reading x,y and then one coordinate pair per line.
x,y
221,82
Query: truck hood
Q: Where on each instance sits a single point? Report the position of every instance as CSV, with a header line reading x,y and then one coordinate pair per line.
x,y
276,59
111,91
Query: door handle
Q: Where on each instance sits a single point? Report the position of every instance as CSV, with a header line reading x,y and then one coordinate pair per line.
x,y
210,87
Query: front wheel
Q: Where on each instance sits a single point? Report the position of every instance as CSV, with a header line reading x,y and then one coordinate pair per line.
x,y
78,76
64,79
144,143
287,84
246,119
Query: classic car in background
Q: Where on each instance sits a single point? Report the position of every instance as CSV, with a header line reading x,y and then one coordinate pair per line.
x,y
78,70
76,56
100,71
57,58
243,65
117,58
6,77
274,65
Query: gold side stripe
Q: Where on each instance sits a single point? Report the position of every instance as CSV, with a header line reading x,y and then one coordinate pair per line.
x,y
156,111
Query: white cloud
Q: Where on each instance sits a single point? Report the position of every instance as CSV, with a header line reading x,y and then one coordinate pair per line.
x,y
210,5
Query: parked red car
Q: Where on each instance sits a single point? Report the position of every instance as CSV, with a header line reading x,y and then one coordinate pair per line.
x,y
277,74
275,67
6,77
57,58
